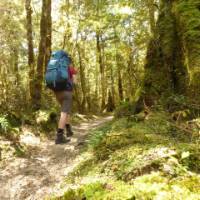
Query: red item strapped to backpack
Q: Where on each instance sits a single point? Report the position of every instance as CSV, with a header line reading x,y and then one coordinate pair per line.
x,y
72,71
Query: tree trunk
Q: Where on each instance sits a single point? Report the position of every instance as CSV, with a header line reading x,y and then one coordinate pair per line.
x,y
110,105
187,16
165,71
77,98
102,73
96,82
82,77
119,76
112,87
48,32
134,78
15,64
41,57
151,8
120,87
30,47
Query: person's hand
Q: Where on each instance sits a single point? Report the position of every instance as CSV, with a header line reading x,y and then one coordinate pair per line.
x,y
75,79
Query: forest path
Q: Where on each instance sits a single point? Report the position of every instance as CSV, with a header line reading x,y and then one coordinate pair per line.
x,y
43,172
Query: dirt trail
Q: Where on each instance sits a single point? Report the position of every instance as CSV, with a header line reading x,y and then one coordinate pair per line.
x,y
42,174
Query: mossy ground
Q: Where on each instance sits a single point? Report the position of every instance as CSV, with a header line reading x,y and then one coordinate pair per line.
x,y
144,160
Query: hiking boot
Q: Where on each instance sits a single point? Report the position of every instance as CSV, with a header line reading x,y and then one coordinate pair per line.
x,y
69,130
60,138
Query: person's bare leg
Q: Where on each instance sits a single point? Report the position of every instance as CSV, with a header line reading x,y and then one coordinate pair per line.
x,y
68,126
67,119
61,126
62,121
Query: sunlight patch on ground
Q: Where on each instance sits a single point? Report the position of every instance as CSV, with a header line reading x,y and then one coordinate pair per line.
x,y
29,139
44,170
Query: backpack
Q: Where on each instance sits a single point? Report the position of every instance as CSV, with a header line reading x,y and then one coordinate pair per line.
x,y
57,73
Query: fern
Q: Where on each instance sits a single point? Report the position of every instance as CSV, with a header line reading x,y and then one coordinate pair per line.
x,y
4,124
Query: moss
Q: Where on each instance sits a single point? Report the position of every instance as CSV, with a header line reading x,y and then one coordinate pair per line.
x,y
188,19
159,55
100,191
125,109
152,186
137,160
172,62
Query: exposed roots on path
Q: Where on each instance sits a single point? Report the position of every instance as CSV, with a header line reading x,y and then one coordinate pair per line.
x,y
42,174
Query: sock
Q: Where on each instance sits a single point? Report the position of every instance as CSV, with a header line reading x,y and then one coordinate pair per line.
x,y
60,131
67,125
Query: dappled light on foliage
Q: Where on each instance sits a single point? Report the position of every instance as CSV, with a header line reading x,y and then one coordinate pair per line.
x,y
143,158
131,66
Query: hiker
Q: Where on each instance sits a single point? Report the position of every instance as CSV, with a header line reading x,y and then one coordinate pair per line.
x,y
61,82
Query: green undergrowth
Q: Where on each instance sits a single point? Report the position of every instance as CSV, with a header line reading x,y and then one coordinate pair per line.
x,y
149,159
147,187
129,159
41,123
47,120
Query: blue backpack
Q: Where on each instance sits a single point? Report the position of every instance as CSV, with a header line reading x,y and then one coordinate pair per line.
x,y
57,76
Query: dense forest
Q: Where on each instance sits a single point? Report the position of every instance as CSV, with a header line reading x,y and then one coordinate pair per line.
x,y
136,101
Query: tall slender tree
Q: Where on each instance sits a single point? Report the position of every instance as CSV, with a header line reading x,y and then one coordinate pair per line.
x,y
102,70
151,8
43,49
82,80
30,46
48,32
16,64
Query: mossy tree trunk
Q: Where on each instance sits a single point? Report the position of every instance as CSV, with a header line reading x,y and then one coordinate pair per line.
x,y
16,65
82,80
187,14
119,65
48,32
112,88
151,7
110,105
41,56
120,87
30,47
102,69
165,72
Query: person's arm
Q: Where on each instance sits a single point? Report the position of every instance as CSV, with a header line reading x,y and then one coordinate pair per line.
x,y
75,78
74,74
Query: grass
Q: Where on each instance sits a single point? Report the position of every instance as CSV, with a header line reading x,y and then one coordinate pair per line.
x,y
143,160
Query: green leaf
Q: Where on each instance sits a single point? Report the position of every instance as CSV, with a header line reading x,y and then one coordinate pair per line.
x,y
185,155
